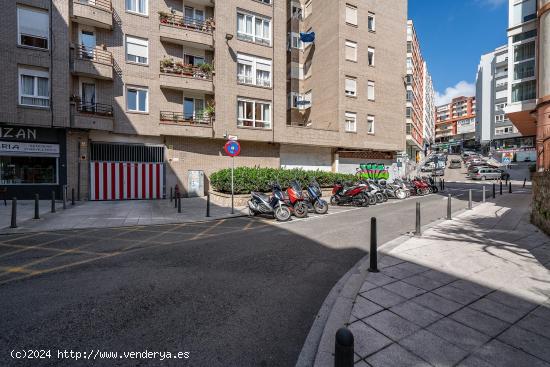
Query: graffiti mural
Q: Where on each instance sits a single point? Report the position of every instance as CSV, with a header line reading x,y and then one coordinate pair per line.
x,y
374,171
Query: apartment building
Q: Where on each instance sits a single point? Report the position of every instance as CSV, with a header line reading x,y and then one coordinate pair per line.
x,y
122,99
529,76
455,124
429,109
415,95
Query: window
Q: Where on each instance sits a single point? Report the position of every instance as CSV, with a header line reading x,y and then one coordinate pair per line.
x,y
351,51
371,25
193,60
524,51
370,55
370,90
296,10
370,124
504,130
351,87
409,96
524,70
193,15
137,99
137,6
252,113
34,87
500,118
408,112
308,9
18,170
351,122
296,41
524,91
137,50
254,28
351,14
267,2
193,108
253,70
525,35
33,27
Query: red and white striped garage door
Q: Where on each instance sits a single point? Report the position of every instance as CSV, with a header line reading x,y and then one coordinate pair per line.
x,y
126,180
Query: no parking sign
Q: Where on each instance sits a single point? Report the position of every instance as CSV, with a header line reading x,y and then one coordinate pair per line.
x,y
232,148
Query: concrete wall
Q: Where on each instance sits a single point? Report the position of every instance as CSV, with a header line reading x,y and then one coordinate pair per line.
x,y
308,158
541,201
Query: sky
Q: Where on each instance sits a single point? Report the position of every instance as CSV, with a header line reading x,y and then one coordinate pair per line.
x,y
453,35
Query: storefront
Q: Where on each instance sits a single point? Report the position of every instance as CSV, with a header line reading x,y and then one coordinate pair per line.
x,y
32,161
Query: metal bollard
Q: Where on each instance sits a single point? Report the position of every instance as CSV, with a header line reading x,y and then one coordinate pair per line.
x,y
208,204
500,187
13,213
494,190
449,216
179,203
510,187
72,196
483,193
53,201
418,231
470,199
176,196
64,198
524,181
171,194
373,256
443,185
343,348
36,206
506,181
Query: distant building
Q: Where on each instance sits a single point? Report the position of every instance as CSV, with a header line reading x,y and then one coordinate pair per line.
x,y
455,124
429,109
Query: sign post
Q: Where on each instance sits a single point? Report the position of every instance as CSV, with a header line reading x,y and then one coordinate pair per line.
x,y
232,148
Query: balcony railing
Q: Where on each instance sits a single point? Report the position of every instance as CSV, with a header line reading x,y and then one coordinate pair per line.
x,y
101,4
95,108
186,71
179,21
93,54
178,118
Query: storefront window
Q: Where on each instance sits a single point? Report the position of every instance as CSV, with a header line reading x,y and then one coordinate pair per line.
x,y
28,170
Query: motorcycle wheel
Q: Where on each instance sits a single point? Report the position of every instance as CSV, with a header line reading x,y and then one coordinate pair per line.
x,y
372,200
379,198
400,194
333,200
282,213
251,213
320,207
300,210
429,190
385,196
435,190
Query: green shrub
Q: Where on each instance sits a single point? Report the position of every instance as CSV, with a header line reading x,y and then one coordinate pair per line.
x,y
259,179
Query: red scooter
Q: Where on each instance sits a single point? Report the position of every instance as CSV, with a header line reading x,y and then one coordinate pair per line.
x,y
296,199
421,187
352,194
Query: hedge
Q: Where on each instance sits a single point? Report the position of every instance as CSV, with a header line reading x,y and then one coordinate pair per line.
x,y
249,179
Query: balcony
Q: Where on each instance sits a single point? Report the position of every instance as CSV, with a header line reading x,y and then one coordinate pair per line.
x,y
95,13
186,77
95,116
178,124
94,63
186,30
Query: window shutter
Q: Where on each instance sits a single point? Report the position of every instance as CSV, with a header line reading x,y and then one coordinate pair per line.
x,y
351,15
350,85
137,46
34,22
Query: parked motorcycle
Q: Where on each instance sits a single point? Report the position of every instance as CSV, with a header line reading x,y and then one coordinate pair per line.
x,y
313,198
275,205
349,194
296,199
421,187
374,193
393,190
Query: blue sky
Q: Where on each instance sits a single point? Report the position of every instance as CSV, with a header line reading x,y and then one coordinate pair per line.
x,y
453,35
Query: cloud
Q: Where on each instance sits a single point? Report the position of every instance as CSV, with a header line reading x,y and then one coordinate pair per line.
x,y
462,88
492,3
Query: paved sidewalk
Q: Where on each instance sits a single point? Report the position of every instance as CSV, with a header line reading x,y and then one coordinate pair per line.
x,y
473,291
99,214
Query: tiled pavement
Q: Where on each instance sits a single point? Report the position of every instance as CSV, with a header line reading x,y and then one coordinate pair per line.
x,y
470,292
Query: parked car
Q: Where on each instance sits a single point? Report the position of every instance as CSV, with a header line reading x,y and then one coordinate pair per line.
x,y
438,172
455,163
487,173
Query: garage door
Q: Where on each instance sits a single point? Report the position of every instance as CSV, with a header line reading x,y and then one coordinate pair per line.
x,y
126,172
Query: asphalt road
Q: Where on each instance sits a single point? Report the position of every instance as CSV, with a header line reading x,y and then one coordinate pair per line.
x,y
237,292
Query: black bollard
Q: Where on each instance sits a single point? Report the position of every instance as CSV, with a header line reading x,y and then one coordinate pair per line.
x,y
13,213
500,187
179,203
449,216
171,194
470,198
494,190
373,256
53,201
208,204
176,196
36,206
64,198
443,185
524,181
506,180
510,187
343,348
418,231
72,196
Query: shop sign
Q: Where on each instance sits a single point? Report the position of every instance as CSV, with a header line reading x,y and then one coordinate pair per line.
x,y
17,133
466,126
17,147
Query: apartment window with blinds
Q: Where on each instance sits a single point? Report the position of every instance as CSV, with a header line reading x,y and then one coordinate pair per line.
x,y
351,51
137,6
351,87
370,56
370,124
137,99
371,24
253,28
34,87
251,113
351,122
253,70
137,50
351,14
370,90
33,27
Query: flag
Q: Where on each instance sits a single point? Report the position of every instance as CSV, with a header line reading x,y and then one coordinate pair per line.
x,y
307,36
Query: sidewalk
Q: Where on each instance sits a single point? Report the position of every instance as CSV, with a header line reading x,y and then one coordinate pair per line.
x,y
473,291
98,214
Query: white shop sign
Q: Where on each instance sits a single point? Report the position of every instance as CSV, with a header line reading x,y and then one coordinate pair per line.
x,y
17,148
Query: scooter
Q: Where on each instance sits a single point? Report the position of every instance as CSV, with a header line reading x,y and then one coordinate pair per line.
x,y
393,190
313,198
375,194
296,199
350,194
275,205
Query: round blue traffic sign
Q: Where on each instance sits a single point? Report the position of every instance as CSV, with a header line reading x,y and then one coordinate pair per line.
x,y
232,148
